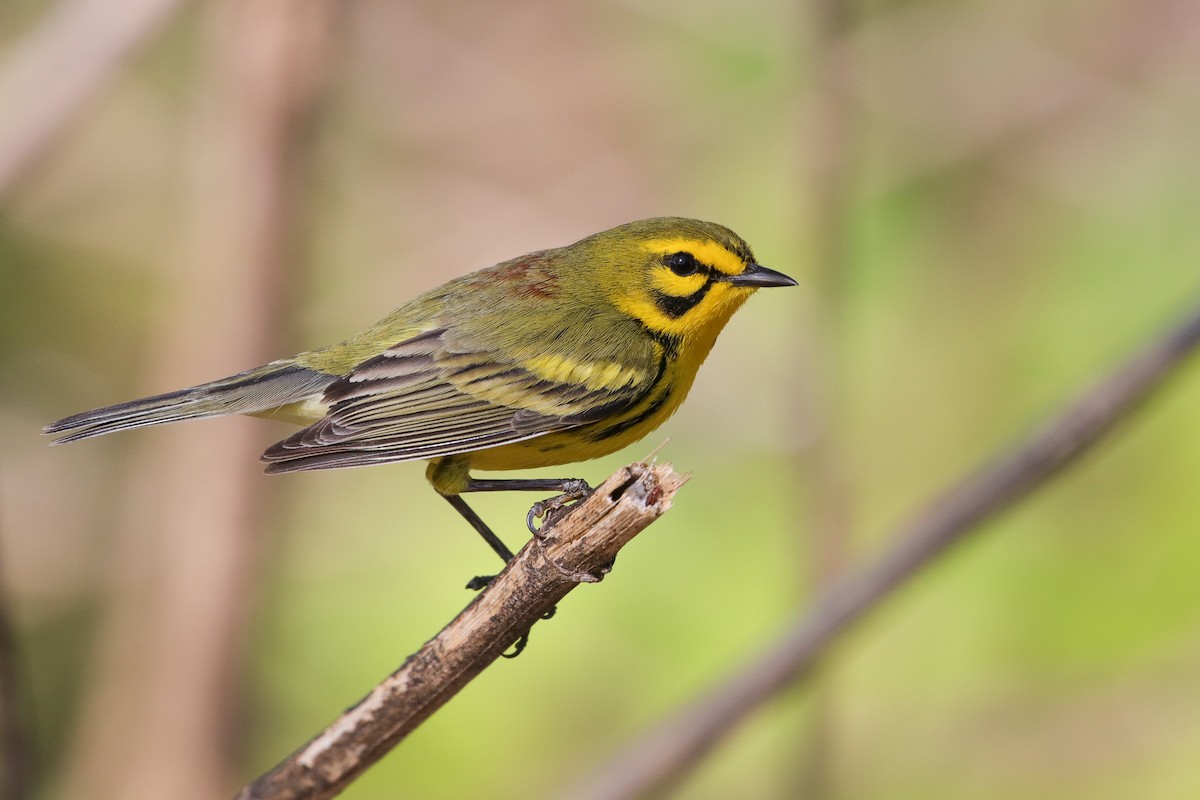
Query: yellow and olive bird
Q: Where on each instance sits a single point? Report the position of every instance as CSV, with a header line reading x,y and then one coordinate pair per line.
x,y
551,358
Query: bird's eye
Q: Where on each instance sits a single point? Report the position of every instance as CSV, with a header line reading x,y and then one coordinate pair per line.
x,y
683,263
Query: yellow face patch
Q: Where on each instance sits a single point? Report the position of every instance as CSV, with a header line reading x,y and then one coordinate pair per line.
x,y
706,252
666,281
705,320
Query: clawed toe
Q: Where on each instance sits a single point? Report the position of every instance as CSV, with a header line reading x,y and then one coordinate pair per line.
x,y
519,645
480,582
573,490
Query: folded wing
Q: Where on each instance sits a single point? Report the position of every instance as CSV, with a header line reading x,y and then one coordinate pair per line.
x,y
426,398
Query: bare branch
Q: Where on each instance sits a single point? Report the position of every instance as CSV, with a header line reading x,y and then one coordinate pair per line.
x,y
658,759
53,74
580,547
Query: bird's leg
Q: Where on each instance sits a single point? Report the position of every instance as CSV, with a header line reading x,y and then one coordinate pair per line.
x,y
501,549
564,485
571,489
480,582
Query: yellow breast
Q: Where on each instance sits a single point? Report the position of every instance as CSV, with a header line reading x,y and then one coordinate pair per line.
x,y
597,438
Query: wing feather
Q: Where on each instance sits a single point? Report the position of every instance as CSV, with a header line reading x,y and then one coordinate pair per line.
x,y
420,399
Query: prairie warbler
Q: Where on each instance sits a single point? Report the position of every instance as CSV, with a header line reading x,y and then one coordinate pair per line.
x,y
554,357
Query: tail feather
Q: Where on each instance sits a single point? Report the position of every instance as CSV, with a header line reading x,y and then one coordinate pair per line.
x,y
261,389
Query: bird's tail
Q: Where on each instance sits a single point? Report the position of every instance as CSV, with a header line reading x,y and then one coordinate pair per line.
x,y
262,389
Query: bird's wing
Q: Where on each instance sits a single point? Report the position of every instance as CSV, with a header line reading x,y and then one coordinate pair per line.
x,y
427,398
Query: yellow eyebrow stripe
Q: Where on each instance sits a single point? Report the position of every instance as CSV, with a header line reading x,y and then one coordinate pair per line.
x,y
708,252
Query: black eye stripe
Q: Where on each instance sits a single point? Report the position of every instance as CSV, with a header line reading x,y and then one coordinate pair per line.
x,y
675,306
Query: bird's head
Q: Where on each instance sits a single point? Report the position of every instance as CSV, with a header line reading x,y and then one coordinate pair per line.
x,y
679,277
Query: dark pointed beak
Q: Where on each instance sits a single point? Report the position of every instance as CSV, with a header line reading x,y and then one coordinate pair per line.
x,y
758,276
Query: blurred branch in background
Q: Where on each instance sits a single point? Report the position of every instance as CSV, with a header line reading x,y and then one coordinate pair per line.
x,y
16,751
58,70
659,759
829,160
160,717
578,548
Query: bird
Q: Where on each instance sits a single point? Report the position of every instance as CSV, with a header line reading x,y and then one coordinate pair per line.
x,y
550,358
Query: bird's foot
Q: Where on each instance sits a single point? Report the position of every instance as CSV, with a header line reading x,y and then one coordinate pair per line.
x,y
546,510
519,645
480,582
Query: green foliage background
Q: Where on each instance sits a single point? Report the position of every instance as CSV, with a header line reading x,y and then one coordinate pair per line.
x,y
1022,208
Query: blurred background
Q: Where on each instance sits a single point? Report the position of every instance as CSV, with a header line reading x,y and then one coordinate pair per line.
x,y
987,204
